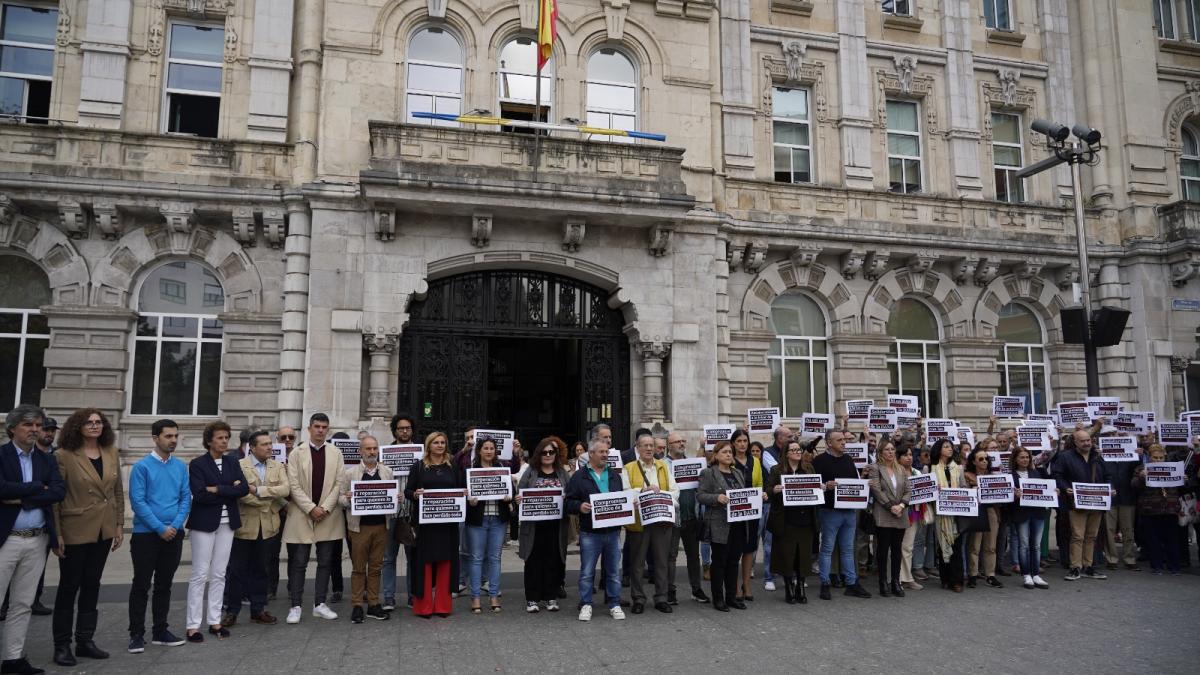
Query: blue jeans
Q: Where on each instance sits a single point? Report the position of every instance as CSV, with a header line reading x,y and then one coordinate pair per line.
x,y
766,543
486,541
1026,542
705,553
924,546
391,553
593,545
838,526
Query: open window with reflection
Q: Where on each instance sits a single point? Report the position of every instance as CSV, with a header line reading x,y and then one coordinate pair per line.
x,y
24,333
612,93
177,348
1189,164
435,75
1022,359
193,94
799,356
27,34
915,358
518,81
791,135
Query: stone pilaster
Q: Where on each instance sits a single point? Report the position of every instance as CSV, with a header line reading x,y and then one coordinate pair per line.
x,y
1060,78
653,354
737,88
1179,403
972,379
270,70
854,88
1118,370
957,25
721,270
294,322
105,60
859,369
1068,377
379,347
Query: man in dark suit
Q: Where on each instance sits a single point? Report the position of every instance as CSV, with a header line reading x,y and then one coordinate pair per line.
x,y
29,485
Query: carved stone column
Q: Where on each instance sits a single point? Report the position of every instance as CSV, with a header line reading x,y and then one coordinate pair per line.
x,y
1179,367
653,354
380,348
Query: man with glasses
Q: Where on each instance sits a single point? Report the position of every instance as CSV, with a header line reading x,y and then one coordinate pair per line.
x,y
687,530
837,525
403,430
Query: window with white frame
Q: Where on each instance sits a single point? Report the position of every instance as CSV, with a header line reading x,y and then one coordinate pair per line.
x,y
435,75
898,7
24,333
791,135
799,356
27,34
915,358
177,348
612,93
1164,19
997,14
193,91
1022,359
904,146
1193,17
518,80
1007,157
1189,165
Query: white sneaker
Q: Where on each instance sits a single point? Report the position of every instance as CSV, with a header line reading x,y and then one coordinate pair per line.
x,y
617,613
322,611
552,606
1039,582
531,607
294,615
585,613
770,586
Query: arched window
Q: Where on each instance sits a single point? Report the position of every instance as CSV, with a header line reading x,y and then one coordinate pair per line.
x,y
1189,165
799,356
24,334
435,74
177,350
1023,358
612,92
518,78
915,359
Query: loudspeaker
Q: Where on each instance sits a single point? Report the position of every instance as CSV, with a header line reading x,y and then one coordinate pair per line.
x,y
1072,325
1108,325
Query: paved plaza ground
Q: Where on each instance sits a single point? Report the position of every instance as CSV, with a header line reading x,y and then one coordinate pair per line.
x,y
1133,622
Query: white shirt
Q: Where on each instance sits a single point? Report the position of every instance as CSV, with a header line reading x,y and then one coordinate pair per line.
x,y
224,508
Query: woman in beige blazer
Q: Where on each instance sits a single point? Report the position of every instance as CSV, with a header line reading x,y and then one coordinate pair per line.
x,y
89,523
889,487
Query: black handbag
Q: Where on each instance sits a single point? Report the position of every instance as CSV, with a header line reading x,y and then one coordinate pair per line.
x,y
404,533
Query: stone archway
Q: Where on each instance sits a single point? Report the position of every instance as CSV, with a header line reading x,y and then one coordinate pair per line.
x,y
935,288
46,245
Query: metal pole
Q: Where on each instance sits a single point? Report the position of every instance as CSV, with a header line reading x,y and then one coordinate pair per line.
x,y
537,117
1085,277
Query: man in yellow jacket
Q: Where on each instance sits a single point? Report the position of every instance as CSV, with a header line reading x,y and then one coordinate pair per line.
x,y
255,539
647,474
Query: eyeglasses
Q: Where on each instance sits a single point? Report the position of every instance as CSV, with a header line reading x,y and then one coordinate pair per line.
x,y
549,453
94,423
287,438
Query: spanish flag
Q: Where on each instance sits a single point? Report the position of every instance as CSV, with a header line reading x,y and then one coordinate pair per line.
x,y
547,30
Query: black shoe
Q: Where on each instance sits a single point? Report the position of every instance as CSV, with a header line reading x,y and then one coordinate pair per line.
x,y
137,644
625,581
738,604
638,608
993,582
838,581
971,582
720,606
699,596
884,591
64,657
664,607
38,609
89,650
221,632
168,639
801,594
1003,572
377,612
19,666
897,589
196,637
856,590
357,615
788,596
672,598
825,594
562,592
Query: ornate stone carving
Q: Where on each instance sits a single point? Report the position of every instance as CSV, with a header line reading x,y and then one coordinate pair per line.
x,y
805,254
793,55
73,219
756,256
573,233
481,229
906,69
1006,93
1008,85
385,222
987,271
243,225
1179,364
852,262
1183,107
656,351
1029,268
107,219
231,41
921,261
1065,277
274,226
200,9
154,35
179,216
437,10
380,343
1185,267
964,270
8,211
889,85
63,34
780,71
614,17
660,240
875,265
735,253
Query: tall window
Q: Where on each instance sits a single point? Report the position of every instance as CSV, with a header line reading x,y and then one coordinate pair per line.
x,y
799,356
193,93
1193,18
915,358
997,14
24,334
177,350
26,61
1164,18
435,75
518,80
1007,157
904,146
611,93
898,7
790,133
1189,165
1023,357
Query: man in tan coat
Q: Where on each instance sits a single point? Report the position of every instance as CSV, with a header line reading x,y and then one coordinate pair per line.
x,y
314,515
368,535
254,541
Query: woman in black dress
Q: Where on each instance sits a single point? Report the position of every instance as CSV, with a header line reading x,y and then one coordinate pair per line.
x,y
436,550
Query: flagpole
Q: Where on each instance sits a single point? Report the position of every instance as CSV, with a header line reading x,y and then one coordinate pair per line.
x,y
537,117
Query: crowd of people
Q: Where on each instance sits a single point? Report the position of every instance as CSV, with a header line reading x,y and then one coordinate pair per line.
x,y
61,493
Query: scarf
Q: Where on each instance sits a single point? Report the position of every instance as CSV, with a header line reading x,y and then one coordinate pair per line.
x,y
947,529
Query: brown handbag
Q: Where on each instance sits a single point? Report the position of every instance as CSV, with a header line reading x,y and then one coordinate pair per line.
x,y
404,533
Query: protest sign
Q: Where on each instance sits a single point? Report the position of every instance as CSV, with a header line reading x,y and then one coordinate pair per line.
x,y
904,404
401,458
1008,406
859,409
1092,496
940,428
540,504
1164,474
1071,413
744,504
503,439
995,488
374,497
924,488
858,452
489,485
1035,419
279,452
612,509
1133,422
1103,406
442,506
815,423
1039,492
1119,449
1174,433
1188,414
614,459
881,420
999,461
965,435
762,420
717,432
1193,428
802,489
349,449
851,493
957,502
687,472
1034,438
656,507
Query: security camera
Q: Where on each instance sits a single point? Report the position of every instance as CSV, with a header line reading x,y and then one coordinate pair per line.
x,y
1055,131
1086,134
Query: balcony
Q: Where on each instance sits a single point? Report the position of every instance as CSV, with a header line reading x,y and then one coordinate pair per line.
x,y
1180,221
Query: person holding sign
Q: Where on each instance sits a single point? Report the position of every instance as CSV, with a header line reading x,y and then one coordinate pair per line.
x,y
837,525
726,538
688,531
368,535
315,472
403,427
1120,517
791,527
647,474
542,544
285,436
982,541
752,471
1158,513
950,541
596,543
889,487
436,551
268,489
1027,521
487,522
1080,463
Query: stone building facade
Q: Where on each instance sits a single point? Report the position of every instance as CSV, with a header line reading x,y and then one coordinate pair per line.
x,y
223,208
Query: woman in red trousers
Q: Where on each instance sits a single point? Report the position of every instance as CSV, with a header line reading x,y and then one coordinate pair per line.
x,y
436,552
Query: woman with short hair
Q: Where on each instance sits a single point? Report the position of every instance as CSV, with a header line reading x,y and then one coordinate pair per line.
x,y
727,538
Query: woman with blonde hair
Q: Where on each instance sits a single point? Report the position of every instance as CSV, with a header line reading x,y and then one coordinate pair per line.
x,y
889,486
436,551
